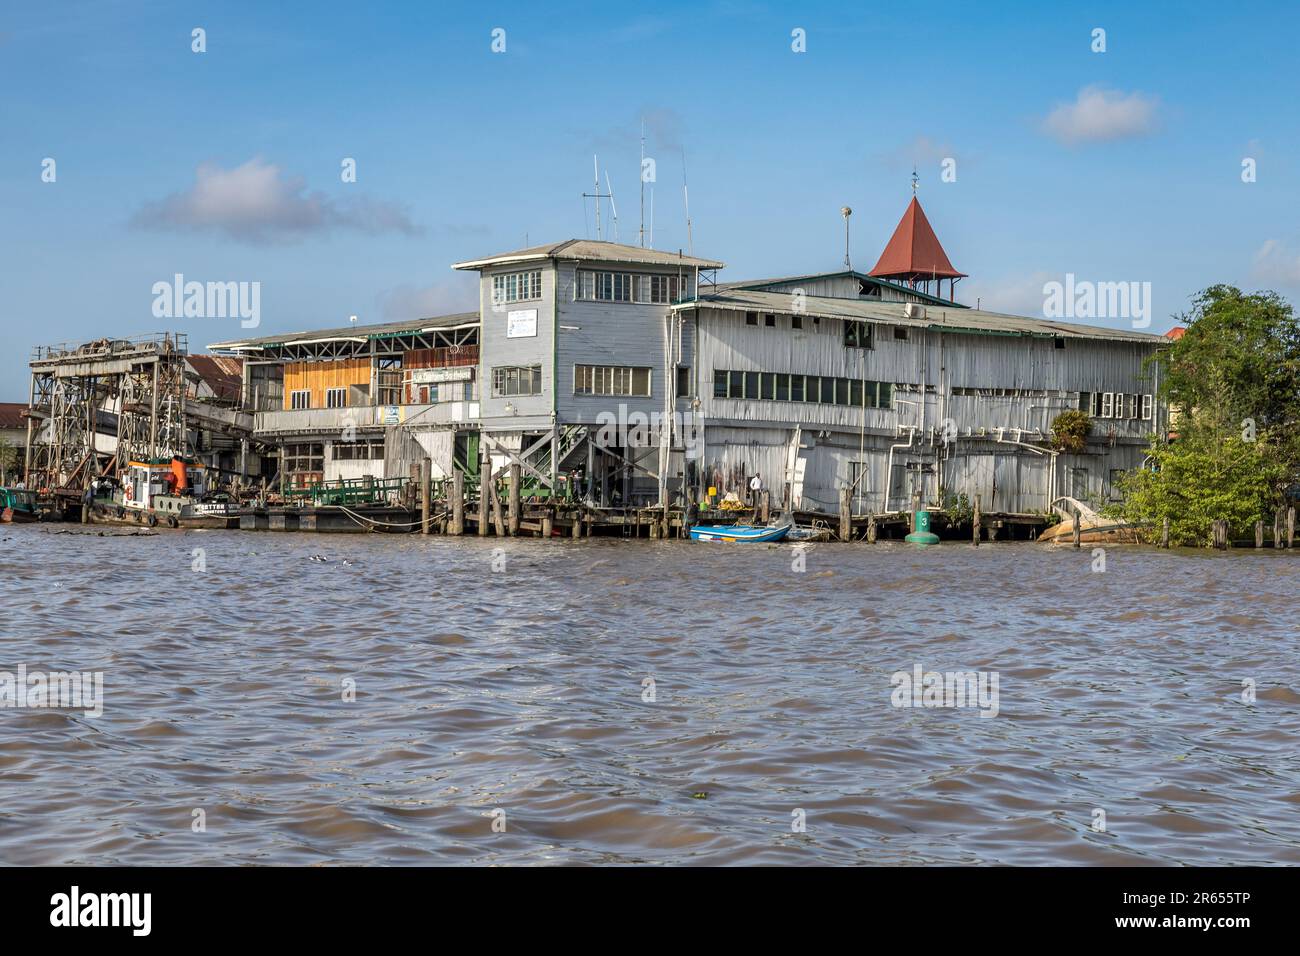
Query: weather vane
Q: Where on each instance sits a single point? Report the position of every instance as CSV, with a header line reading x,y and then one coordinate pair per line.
x,y
915,181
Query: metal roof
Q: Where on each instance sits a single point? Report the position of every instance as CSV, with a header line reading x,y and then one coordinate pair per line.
x,y
591,250
875,280
359,333
942,318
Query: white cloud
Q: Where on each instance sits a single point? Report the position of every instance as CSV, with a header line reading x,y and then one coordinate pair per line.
x,y
1018,295
257,203
1275,263
1099,115
458,294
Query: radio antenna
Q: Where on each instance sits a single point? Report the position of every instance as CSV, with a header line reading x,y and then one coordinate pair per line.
x,y
613,209
597,195
686,200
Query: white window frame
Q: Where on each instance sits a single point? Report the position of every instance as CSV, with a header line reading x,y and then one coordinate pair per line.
x,y
294,399
1148,407
340,393
517,286
1107,404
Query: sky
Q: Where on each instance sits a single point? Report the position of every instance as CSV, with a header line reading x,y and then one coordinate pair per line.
x,y
472,130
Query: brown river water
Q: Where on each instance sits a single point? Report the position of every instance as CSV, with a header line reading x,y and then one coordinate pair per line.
x,y
502,713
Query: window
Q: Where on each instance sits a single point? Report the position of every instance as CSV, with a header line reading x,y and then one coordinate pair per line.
x,y
1130,406
858,335
769,320
796,321
751,385
336,397
304,457
610,380
1085,402
797,388
900,333
515,380
767,387
516,287
719,384
300,399
736,386
685,384
783,388
751,318
1147,407
664,289
1058,343
1107,404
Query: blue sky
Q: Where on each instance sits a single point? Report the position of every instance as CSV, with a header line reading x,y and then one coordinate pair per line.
x,y
225,165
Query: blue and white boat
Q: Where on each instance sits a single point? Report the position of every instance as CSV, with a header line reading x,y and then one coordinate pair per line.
x,y
740,533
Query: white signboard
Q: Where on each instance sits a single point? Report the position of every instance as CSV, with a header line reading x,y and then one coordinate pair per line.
x,y
521,323
389,415
431,376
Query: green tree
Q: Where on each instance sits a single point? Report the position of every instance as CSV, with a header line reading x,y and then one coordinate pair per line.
x,y
8,460
1232,382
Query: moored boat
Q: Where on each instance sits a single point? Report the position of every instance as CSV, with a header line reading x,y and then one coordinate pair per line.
x,y
741,534
171,493
19,506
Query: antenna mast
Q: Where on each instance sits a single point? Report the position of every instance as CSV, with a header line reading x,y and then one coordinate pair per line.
x,y
612,207
641,176
598,196
686,199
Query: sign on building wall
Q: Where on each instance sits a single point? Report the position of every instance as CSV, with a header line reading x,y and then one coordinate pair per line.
x,y
521,323
390,415
432,376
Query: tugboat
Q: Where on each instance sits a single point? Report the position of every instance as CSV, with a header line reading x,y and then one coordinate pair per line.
x,y
171,492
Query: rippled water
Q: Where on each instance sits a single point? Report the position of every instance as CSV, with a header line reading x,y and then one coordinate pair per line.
x,y
522,691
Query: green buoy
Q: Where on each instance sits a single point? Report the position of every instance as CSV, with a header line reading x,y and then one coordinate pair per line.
x,y
921,533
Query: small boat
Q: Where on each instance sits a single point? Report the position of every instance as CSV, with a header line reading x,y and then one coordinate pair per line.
x,y
741,533
1093,528
19,505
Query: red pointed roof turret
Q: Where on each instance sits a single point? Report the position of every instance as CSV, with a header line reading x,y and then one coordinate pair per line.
x,y
914,253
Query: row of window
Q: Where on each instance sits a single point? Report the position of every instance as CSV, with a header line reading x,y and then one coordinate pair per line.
x,y
334,398
611,380
857,335
822,389
1117,405
357,450
516,287
628,287
510,380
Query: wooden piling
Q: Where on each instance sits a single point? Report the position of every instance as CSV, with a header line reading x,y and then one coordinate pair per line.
x,y
846,514
1164,532
498,523
426,474
515,493
975,523
457,503
872,530
1078,528
1219,534
1259,533
1290,527
765,500
484,499
577,525
548,523
1277,528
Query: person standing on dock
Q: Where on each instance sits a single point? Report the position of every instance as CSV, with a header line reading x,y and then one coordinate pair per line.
x,y
755,489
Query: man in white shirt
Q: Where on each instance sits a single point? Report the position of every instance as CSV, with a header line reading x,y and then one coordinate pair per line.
x,y
755,486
